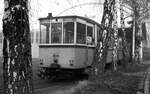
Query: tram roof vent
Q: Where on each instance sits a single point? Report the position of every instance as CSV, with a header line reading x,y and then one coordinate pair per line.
x,y
49,15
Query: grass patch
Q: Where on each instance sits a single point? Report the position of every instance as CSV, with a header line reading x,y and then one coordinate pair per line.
x,y
131,68
116,82
122,84
111,83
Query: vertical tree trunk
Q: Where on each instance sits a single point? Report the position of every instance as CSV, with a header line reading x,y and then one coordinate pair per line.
x,y
133,41
17,65
124,41
115,36
141,45
103,39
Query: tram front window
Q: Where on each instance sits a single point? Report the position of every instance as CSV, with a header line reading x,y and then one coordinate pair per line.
x,y
44,33
81,33
68,32
90,35
56,32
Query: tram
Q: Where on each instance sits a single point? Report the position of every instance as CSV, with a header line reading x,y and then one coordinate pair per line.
x,y
67,44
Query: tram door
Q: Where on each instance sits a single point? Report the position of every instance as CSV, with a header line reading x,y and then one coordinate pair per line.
x,y
88,50
90,43
88,39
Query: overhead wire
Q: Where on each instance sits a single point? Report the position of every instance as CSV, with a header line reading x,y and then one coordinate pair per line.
x,y
70,2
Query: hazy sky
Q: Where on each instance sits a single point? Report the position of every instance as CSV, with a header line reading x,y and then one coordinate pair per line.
x,y
40,8
89,8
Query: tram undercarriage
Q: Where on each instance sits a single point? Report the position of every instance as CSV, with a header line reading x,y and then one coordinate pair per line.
x,y
58,73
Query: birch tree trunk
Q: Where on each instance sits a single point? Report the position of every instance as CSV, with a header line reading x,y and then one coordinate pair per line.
x,y
104,38
17,64
115,36
141,45
125,51
133,41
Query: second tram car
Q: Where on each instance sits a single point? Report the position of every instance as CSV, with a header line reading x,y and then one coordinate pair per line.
x,y
67,44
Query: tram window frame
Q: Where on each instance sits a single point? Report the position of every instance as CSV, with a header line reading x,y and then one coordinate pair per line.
x,y
44,37
71,39
60,36
81,34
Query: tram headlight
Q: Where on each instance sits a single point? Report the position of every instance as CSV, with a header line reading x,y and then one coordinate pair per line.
x,y
55,58
41,61
71,62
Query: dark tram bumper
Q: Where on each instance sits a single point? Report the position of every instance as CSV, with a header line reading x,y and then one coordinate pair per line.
x,y
47,72
56,72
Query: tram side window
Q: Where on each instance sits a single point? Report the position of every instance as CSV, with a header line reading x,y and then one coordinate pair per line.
x,y
56,32
45,33
68,33
81,33
90,35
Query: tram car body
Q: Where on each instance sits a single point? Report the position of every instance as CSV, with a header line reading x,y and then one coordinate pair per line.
x,y
67,44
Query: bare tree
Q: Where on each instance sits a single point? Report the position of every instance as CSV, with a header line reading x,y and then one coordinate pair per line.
x,y
107,34
17,65
140,12
125,48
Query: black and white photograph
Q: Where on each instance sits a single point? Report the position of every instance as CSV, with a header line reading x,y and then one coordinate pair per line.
x,y
74,46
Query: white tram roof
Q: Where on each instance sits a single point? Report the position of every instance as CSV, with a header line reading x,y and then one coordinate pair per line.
x,y
70,17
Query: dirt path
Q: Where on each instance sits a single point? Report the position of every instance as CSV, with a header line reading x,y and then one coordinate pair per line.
x,y
147,82
61,88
